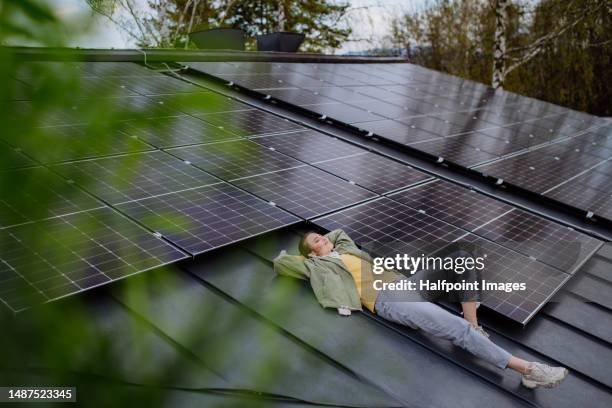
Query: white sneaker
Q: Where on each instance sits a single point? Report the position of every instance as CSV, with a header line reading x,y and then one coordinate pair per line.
x,y
543,375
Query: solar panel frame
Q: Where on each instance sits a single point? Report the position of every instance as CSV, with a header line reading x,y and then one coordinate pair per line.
x,y
80,251
206,218
131,177
251,122
305,191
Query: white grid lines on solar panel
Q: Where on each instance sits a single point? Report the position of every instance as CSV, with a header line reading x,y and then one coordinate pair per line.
x,y
36,193
132,177
538,172
505,266
305,191
80,111
386,227
454,204
175,131
309,146
236,159
273,81
250,122
13,158
397,131
584,197
455,151
156,85
343,112
548,242
63,143
374,172
299,97
198,103
75,252
209,217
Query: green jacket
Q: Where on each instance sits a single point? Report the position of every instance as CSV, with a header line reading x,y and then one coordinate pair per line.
x,y
331,282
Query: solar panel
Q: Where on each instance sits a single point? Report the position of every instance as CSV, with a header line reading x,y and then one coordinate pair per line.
x,y
232,160
209,217
63,143
305,191
198,103
132,177
374,172
548,242
175,131
385,227
73,253
454,204
584,197
455,151
250,122
309,146
37,193
12,159
155,85
343,112
273,81
397,131
299,96
503,265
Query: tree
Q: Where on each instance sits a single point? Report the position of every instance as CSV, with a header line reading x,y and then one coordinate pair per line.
x,y
555,50
167,23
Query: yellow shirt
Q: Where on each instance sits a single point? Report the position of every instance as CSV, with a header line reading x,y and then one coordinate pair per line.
x,y
354,264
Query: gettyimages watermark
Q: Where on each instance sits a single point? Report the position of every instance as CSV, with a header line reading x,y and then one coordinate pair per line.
x,y
463,271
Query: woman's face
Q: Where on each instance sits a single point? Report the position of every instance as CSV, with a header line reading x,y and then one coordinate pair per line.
x,y
319,244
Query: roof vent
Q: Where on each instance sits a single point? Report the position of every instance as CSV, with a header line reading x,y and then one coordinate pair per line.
x,y
219,39
280,41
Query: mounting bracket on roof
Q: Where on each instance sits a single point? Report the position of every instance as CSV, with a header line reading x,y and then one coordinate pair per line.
x,y
230,83
589,214
158,234
323,117
499,182
186,162
272,203
440,159
267,97
370,134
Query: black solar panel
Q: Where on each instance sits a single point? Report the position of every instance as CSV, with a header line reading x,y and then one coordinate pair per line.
x,y
309,146
250,122
11,158
155,85
374,172
397,131
63,143
503,265
299,96
454,204
175,131
37,193
386,227
205,218
232,160
73,253
455,151
198,103
343,112
305,191
132,177
584,197
548,242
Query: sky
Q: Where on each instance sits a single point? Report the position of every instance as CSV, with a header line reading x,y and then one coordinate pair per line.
x,y
369,18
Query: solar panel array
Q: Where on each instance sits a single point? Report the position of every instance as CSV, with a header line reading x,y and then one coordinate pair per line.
x,y
529,143
142,169
386,227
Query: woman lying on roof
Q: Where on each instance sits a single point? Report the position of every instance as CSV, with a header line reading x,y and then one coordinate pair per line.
x,y
334,266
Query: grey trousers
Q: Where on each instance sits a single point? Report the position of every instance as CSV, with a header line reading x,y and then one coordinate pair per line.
x,y
412,310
